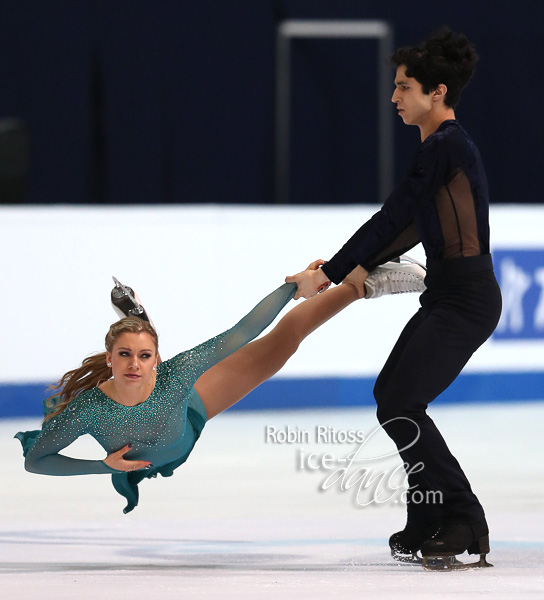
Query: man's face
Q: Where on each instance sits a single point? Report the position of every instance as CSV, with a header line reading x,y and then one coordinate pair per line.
x,y
413,105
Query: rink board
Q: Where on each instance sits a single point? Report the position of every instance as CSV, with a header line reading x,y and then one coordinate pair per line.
x,y
199,269
18,400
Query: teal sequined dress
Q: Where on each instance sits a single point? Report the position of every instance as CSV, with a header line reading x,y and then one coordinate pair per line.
x,y
162,430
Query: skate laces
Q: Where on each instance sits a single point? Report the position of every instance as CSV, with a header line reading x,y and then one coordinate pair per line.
x,y
399,281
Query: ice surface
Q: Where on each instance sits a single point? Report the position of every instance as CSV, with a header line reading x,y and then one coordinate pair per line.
x,y
242,520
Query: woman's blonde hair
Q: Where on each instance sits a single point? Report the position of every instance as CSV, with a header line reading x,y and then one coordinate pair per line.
x,y
93,369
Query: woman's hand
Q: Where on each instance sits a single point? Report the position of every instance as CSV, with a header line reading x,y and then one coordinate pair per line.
x,y
116,461
311,281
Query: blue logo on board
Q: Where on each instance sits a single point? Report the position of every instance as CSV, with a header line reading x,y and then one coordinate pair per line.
x,y
521,276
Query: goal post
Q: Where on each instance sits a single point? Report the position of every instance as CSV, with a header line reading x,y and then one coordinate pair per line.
x,y
319,29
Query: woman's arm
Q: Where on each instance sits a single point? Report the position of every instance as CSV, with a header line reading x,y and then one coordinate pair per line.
x,y
196,361
41,448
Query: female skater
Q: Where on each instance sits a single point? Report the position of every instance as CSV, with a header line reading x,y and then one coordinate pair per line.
x,y
443,202
148,414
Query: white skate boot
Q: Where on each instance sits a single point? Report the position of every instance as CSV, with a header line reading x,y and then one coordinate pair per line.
x,y
402,277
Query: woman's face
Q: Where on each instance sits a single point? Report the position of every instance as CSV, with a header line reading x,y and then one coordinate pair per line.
x,y
133,359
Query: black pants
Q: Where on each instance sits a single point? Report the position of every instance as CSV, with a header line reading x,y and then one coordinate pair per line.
x,y
459,311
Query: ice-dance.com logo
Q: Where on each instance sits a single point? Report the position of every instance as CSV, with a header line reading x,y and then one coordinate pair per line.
x,y
373,478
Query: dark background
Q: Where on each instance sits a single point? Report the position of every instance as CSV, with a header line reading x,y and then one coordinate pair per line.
x,y
161,101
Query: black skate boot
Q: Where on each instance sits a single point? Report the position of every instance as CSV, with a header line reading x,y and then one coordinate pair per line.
x,y
406,544
454,538
126,303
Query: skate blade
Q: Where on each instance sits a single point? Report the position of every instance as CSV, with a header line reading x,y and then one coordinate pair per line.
x,y
414,559
450,563
124,288
136,310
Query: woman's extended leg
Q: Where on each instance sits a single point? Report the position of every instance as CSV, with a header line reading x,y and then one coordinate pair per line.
x,y
234,377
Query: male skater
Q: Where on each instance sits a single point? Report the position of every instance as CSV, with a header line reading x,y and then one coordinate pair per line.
x,y
442,203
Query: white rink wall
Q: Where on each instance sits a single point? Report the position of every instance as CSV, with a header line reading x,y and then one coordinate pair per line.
x,y
198,269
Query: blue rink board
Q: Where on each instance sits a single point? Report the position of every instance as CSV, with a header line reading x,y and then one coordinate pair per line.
x,y
21,400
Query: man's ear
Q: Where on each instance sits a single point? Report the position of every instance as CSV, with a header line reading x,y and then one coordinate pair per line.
x,y
439,93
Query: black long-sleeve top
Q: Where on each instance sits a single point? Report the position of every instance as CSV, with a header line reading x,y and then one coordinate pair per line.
x,y
442,202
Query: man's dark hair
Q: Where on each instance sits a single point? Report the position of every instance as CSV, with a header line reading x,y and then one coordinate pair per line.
x,y
445,57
